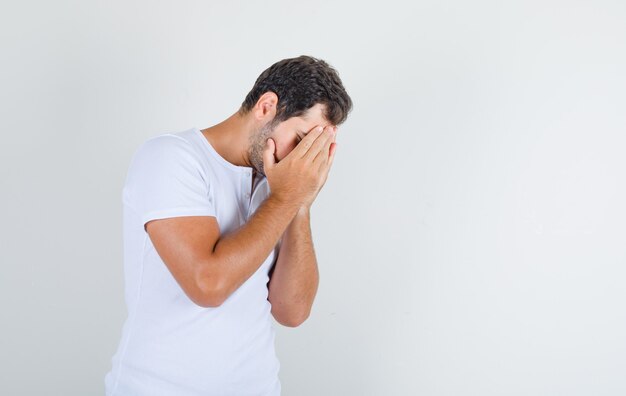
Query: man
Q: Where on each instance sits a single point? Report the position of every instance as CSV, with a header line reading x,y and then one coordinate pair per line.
x,y
217,239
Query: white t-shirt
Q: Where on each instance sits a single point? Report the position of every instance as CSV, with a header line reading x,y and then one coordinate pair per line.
x,y
169,345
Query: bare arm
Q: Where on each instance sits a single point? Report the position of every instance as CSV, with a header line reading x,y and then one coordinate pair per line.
x,y
210,267
258,237
295,277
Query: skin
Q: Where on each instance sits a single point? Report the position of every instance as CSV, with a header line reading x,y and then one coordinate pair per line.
x,y
210,266
241,140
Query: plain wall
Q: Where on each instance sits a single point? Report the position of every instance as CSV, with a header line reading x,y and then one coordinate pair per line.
x,y
470,236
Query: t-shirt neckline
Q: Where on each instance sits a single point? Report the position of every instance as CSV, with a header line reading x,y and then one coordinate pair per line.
x,y
222,160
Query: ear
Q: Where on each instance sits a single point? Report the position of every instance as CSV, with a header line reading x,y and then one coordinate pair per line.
x,y
265,108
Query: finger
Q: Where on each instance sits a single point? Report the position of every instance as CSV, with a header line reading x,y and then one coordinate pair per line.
x,y
318,144
333,150
324,168
323,155
331,157
268,154
306,142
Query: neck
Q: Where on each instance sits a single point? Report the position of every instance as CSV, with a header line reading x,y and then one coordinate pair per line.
x,y
231,139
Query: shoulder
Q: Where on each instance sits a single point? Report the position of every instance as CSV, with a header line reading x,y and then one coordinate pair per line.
x,y
164,144
163,149
164,157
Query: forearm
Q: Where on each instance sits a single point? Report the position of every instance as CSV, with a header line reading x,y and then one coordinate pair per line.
x,y
295,278
240,253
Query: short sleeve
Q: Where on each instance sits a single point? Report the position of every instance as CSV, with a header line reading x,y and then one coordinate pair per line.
x,y
165,179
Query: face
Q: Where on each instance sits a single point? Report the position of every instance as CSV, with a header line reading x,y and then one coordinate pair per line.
x,y
286,135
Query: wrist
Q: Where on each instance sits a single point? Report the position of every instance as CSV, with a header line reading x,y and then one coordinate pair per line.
x,y
285,203
304,211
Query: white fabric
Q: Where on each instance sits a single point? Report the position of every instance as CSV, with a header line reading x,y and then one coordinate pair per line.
x,y
169,345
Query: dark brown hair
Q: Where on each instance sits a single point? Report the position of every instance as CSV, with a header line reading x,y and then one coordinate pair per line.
x,y
300,83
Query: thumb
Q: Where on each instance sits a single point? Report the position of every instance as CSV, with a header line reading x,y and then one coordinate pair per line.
x,y
268,154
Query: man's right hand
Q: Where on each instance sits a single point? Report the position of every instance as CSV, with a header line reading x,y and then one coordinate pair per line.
x,y
297,179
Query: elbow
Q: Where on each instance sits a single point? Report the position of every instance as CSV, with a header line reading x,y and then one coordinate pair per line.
x,y
291,320
208,293
295,322
207,301
291,324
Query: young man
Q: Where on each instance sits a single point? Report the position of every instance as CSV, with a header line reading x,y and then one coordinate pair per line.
x,y
217,239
